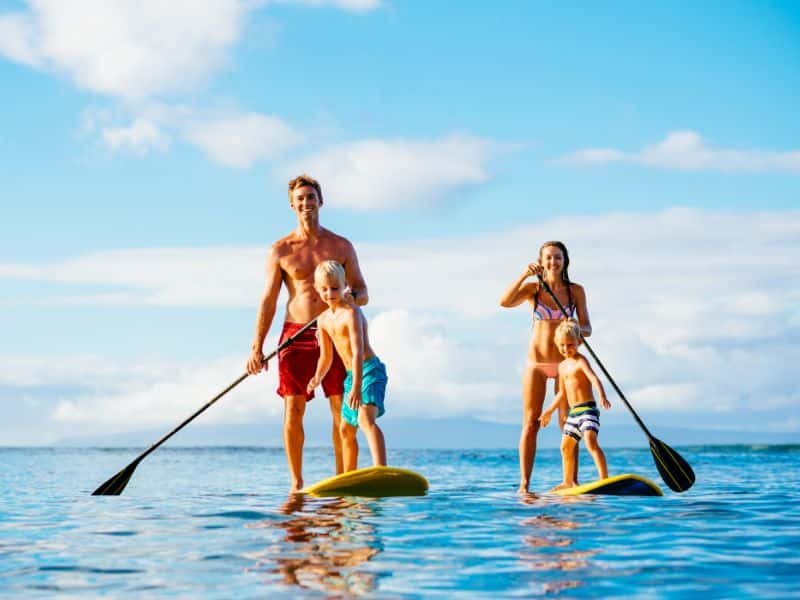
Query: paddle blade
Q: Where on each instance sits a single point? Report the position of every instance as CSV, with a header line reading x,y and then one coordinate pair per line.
x,y
674,470
115,485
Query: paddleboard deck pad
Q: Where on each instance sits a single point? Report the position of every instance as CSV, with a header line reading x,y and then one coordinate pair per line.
x,y
373,482
619,485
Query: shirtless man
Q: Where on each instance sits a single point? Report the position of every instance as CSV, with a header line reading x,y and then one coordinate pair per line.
x,y
291,261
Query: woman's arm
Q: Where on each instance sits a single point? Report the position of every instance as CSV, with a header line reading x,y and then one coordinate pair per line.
x,y
583,311
519,291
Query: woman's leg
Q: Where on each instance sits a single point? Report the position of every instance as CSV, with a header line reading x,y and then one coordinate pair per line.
x,y
534,386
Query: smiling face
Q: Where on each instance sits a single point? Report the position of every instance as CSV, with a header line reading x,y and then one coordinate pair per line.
x,y
305,201
329,288
552,259
567,345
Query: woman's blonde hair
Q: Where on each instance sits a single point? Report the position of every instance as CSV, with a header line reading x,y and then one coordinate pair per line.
x,y
330,269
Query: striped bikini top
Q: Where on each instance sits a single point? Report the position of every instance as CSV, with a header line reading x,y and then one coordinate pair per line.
x,y
542,312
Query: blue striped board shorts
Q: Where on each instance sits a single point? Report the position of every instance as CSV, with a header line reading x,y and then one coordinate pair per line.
x,y
581,418
373,389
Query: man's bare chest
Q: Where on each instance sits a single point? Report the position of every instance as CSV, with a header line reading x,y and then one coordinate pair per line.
x,y
300,264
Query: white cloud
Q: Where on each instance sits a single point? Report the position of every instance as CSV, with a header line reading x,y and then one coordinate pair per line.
x,y
371,174
351,5
140,137
126,49
161,276
695,316
687,150
134,50
17,32
136,400
240,140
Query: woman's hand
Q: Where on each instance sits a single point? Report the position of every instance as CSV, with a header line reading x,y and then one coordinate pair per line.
x,y
535,270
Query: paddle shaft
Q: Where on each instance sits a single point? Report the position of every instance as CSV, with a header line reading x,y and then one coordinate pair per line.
x,y
189,419
599,363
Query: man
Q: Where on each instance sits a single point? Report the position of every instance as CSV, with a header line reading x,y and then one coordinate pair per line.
x,y
291,261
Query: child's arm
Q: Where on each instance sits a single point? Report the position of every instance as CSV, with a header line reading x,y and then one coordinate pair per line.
x,y
547,414
355,328
595,381
325,357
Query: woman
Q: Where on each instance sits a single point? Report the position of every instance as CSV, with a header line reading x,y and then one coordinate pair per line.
x,y
543,356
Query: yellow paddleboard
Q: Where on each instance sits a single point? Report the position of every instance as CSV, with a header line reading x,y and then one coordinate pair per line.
x,y
619,485
371,481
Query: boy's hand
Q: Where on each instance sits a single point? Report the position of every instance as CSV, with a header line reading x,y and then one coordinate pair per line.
x,y
545,418
312,385
354,399
604,402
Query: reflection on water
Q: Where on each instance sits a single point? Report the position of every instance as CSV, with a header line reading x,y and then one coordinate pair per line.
x,y
545,533
323,543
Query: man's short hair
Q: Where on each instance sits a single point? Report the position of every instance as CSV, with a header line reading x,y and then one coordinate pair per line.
x,y
302,180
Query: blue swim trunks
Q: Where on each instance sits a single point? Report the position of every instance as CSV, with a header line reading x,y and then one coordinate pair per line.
x,y
373,389
582,418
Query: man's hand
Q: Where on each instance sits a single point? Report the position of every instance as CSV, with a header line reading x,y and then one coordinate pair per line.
x,y
256,363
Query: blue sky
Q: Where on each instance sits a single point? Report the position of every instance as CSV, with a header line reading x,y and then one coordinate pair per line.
x,y
144,153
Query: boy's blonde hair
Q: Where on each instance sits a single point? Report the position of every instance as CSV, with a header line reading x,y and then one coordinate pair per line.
x,y
330,269
568,328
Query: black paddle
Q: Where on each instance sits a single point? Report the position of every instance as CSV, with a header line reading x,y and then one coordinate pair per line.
x,y
674,470
115,485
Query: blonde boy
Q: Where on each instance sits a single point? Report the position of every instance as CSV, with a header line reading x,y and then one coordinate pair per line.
x,y
344,325
575,381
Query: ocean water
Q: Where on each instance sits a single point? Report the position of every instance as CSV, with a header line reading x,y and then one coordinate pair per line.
x,y
218,523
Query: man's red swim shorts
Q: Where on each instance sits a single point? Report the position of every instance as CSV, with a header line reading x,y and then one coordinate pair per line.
x,y
297,364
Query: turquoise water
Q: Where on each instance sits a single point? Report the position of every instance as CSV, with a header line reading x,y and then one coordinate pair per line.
x,y
217,523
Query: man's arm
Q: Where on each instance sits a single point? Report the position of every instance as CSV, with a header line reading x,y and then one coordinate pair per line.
x,y
355,280
266,312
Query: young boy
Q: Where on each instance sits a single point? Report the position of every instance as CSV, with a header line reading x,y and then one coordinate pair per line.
x,y
344,325
576,377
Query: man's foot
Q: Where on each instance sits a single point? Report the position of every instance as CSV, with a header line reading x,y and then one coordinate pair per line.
x,y
523,487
